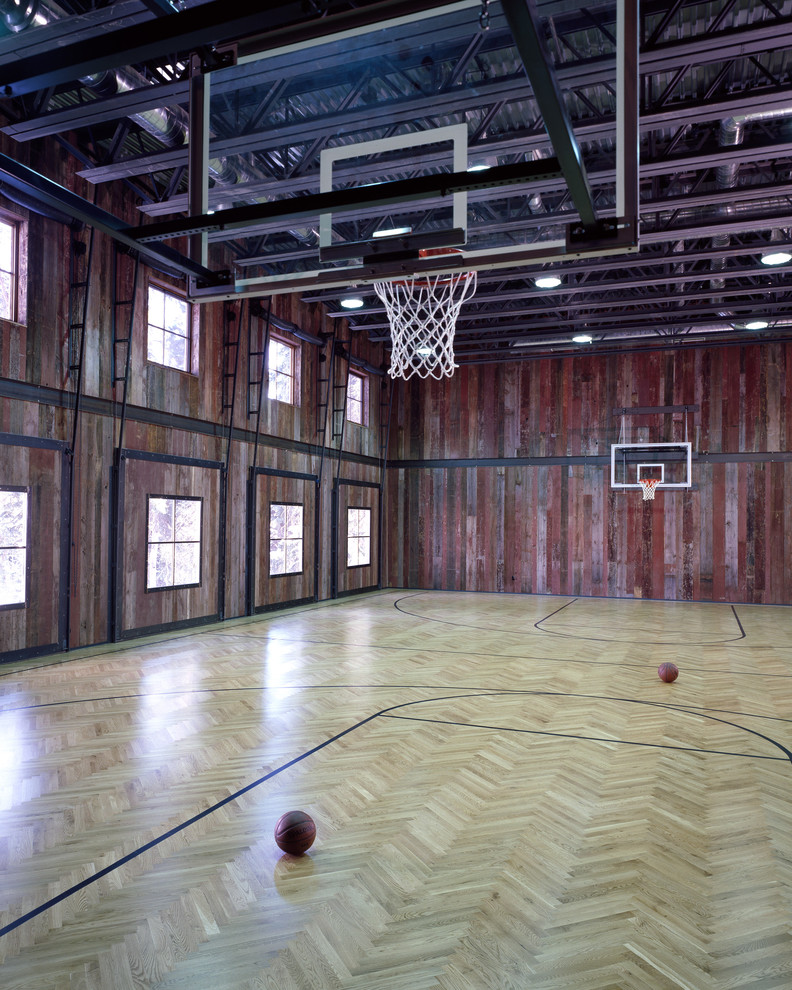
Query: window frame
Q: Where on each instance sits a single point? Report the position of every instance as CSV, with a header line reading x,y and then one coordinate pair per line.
x,y
357,536
283,574
18,225
273,375
200,541
27,548
191,336
364,397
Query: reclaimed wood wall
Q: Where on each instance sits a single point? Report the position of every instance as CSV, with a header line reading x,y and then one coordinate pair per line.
x,y
142,609
40,471
270,591
500,478
170,413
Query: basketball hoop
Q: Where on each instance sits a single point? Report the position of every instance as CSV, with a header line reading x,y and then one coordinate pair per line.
x,y
648,485
422,312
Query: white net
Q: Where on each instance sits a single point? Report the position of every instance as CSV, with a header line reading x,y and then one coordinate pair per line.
x,y
648,485
423,313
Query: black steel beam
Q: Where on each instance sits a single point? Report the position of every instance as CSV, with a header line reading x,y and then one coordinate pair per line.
x,y
209,24
540,221
344,200
52,195
523,17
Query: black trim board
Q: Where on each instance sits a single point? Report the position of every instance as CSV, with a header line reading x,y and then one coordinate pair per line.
x,y
276,606
136,633
29,652
755,457
44,395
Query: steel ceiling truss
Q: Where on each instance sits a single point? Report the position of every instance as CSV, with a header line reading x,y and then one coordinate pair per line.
x,y
694,75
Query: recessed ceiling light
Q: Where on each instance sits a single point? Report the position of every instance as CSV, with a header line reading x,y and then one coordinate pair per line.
x,y
757,325
583,338
547,281
392,231
352,302
776,258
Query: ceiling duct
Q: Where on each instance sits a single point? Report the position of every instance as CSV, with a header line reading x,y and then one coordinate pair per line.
x,y
732,132
18,14
167,124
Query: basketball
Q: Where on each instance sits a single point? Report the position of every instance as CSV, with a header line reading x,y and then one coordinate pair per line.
x,y
668,672
295,832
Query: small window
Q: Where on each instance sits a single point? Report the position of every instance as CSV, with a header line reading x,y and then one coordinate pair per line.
x,y
174,542
282,370
286,539
169,329
358,537
9,269
13,547
357,398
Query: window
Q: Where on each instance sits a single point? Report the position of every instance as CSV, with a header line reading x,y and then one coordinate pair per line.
x,y
357,398
13,546
9,270
286,539
358,537
174,542
282,368
169,326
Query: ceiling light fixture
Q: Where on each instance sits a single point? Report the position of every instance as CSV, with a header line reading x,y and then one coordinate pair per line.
x,y
776,258
547,281
392,231
583,338
352,302
481,167
757,325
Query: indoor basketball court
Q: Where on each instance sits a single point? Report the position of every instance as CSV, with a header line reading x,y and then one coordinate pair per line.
x,y
395,528
505,795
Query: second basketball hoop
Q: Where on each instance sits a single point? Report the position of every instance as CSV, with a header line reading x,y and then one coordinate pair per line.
x,y
422,312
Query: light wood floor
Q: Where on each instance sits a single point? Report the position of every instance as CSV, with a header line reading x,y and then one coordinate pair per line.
x,y
506,796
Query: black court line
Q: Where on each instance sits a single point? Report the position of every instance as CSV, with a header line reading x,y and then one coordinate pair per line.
x,y
288,613
653,642
476,692
58,898
576,636
461,625
568,735
507,656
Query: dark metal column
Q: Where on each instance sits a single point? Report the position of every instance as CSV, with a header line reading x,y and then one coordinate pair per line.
x,y
523,19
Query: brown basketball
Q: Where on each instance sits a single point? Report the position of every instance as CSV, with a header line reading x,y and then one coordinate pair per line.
x,y
295,832
668,672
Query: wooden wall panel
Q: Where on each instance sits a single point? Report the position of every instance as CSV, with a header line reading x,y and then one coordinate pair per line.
x,y
366,496
144,609
560,528
284,588
171,413
39,471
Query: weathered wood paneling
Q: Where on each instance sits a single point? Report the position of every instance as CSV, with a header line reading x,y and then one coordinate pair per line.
x,y
556,526
283,588
144,609
39,472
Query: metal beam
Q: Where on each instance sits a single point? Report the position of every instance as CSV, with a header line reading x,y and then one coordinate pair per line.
x,y
344,200
209,24
164,94
523,17
50,194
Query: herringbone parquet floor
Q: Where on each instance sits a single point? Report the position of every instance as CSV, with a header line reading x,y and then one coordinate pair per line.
x,y
506,796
